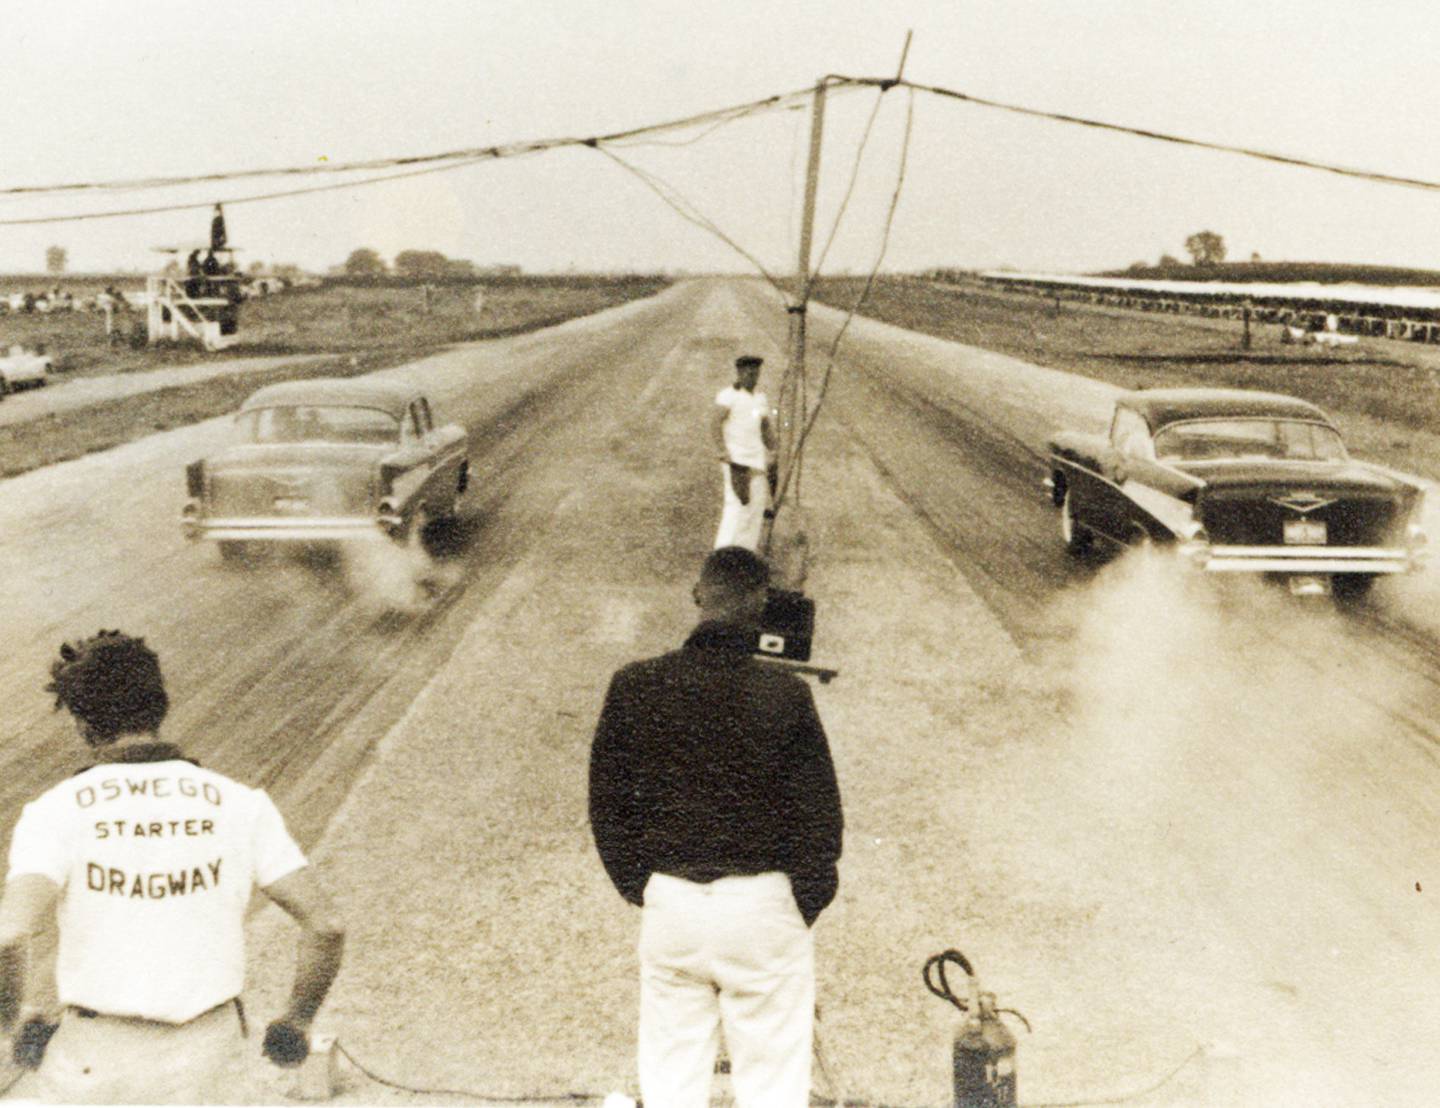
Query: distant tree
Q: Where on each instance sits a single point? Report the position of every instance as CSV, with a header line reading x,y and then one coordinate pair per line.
x,y
1254,255
1168,261
459,267
255,269
1137,267
288,270
55,259
421,263
1205,248
364,263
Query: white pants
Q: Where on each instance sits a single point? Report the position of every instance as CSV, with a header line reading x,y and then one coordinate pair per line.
x,y
740,524
117,1060
732,953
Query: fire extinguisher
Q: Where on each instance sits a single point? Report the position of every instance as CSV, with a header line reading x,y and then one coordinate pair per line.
x,y
984,1049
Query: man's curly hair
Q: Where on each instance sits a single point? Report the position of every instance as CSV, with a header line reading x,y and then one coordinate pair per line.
x,y
111,683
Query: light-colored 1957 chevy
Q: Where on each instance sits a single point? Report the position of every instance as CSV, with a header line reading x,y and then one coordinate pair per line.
x,y
325,460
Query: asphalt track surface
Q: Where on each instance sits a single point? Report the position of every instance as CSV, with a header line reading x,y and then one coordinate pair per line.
x,y
1275,769
285,674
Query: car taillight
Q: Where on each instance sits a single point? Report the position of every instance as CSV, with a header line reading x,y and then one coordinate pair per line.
x,y
195,479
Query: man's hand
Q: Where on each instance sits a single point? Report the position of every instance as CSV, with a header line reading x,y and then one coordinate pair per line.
x,y
28,1047
286,1044
740,482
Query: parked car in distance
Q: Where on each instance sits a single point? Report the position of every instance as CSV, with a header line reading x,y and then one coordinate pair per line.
x,y
326,460
23,369
1243,482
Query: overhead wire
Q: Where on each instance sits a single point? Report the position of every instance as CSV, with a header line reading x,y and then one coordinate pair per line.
x,y
1181,140
675,200
235,201
849,188
454,159
814,413
463,155
693,139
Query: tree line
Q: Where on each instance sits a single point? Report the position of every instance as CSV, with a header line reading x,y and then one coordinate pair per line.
x,y
421,264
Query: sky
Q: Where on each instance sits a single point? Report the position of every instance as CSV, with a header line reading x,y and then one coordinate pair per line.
x,y
99,91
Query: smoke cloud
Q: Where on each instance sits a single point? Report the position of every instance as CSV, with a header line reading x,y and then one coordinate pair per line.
x,y
1242,773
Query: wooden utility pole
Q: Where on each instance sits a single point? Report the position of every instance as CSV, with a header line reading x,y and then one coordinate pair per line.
x,y
792,404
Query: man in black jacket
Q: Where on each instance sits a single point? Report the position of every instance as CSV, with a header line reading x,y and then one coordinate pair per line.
x,y
714,805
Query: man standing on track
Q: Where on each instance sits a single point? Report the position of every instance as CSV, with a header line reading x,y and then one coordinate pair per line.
x,y
714,806
152,861
743,435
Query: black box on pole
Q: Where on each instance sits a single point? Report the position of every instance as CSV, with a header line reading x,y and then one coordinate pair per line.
x,y
787,626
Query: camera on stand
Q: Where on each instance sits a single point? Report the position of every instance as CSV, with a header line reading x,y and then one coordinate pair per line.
x,y
786,631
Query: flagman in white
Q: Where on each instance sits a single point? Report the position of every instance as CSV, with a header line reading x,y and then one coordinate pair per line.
x,y
743,435
149,861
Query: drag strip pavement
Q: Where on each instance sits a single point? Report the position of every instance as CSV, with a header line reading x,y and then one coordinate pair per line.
x,y
1248,787
285,674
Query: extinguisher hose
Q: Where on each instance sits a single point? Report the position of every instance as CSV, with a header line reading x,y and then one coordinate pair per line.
x,y
935,980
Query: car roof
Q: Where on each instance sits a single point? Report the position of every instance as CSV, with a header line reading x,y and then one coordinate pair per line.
x,y
390,397
1164,406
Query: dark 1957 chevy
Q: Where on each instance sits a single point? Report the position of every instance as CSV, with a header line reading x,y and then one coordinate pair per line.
x,y
327,459
1243,482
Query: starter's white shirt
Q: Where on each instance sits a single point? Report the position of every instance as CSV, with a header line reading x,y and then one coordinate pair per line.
x,y
744,442
156,862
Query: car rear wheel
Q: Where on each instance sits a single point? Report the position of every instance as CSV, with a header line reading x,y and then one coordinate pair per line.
x,y
1351,586
414,532
1078,538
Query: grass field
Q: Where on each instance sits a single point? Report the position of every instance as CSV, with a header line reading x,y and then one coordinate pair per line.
x,y
1393,382
338,317
366,328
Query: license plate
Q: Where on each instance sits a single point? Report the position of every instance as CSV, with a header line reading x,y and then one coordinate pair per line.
x,y
1305,532
1302,585
291,504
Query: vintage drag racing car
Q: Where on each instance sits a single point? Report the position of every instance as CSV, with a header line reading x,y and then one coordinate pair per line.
x,y
23,369
327,459
1243,482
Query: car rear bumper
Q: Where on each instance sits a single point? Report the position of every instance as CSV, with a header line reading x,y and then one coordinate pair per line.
x,y
291,529
1307,559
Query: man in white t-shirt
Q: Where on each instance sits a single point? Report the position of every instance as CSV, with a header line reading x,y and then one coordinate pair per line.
x,y
149,861
744,437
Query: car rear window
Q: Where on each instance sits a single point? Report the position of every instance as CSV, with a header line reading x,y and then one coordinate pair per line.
x,y
1214,439
311,423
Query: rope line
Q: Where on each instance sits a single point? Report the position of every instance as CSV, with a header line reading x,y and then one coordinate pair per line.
x,y
1123,1097
469,1094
